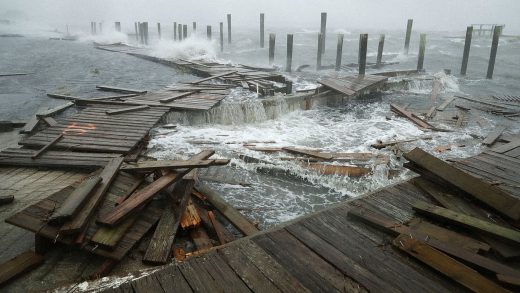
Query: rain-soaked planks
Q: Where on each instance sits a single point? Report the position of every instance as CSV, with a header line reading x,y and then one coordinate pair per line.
x,y
331,251
93,130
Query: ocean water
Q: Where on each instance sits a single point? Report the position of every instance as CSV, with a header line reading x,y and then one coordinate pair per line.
x,y
277,190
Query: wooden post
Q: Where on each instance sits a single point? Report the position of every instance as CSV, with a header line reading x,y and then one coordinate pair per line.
x,y
467,46
141,33
229,28
175,31
289,52
262,18
146,33
408,35
320,53
380,50
422,47
136,32
159,30
118,26
272,41
493,54
194,27
221,37
339,52
323,31
362,59
100,27
179,31
184,31
208,32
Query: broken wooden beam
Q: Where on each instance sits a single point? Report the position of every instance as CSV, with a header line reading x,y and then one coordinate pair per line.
x,y
78,223
126,110
410,116
213,77
55,110
310,153
234,216
446,102
46,147
109,237
74,201
119,89
190,218
173,164
175,97
19,265
446,265
494,197
493,136
466,221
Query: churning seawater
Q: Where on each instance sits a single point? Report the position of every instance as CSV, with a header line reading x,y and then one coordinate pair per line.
x,y
278,190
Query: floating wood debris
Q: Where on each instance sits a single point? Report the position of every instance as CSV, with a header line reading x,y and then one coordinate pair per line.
x,y
412,117
119,89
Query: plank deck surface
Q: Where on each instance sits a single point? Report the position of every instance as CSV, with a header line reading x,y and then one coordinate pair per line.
x,y
352,85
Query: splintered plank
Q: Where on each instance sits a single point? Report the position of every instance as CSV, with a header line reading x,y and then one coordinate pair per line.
x,y
446,103
139,198
234,216
109,237
119,89
467,221
108,174
310,153
446,265
222,234
19,265
126,110
175,97
213,77
190,218
160,247
171,164
412,117
74,201
494,197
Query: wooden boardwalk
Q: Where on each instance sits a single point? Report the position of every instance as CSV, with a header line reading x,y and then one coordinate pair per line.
x,y
353,85
330,251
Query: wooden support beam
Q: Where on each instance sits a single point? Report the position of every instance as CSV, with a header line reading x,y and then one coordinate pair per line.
x,y
46,147
422,48
78,223
126,110
380,48
234,216
272,42
74,202
494,197
362,54
222,234
288,64
493,136
262,20
173,164
339,52
466,221
18,265
119,89
467,47
160,247
409,25
446,265
493,53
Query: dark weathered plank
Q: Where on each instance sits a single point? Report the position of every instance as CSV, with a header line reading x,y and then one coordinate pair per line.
x,y
412,117
126,110
147,284
221,272
198,278
222,234
175,97
119,89
493,136
496,198
19,265
310,153
171,280
172,164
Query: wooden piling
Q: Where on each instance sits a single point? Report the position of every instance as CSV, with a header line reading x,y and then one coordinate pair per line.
x,y
323,30
362,59
408,35
145,32
208,32
141,33
184,31
179,31
159,30
100,27
272,41
262,18
289,52
422,48
229,28
118,26
339,52
136,32
380,50
493,54
175,31
221,37
194,27
320,53
467,46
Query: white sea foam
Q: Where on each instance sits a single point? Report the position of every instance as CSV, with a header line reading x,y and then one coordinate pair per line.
x,y
192,48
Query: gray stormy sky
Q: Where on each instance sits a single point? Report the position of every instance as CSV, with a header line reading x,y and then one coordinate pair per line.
x,y
355,14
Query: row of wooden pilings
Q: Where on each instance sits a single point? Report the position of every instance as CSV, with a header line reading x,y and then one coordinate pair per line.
x,y
180,32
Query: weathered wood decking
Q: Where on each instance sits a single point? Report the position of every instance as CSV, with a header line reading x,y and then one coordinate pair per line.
x,y
328,251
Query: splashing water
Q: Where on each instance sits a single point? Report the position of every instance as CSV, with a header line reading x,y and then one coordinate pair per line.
x,y
192,48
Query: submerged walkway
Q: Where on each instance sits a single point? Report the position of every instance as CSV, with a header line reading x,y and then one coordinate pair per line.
x,y
330,251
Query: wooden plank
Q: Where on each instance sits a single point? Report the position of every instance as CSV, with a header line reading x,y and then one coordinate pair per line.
x,y
74,202
46,147
213,77
126,110
139,198
446,265
172,164
109,237
446,102
147,283
494,197
175,97
507,147
350,171
18,265
108,174
55,110
50,121
119,90
234,216
412,117
310,153
467,221
171,278
160,247
63,97
222,234
30,125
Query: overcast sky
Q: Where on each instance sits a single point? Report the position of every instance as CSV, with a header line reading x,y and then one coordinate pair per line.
x,y
355,14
